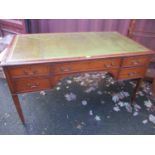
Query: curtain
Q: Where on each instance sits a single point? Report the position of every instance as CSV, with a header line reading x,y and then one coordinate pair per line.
x,y
86,25
79,25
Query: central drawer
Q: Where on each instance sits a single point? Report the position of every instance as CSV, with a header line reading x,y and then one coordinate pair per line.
x,y
90,65
31,84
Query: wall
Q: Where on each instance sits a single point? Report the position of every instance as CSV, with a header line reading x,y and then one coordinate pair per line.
x,y
78,25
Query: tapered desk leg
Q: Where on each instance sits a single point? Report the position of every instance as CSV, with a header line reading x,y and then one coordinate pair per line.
x,y
138,83
18,107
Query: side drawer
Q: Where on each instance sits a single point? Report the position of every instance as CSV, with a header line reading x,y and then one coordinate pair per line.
x,y
136,61
90,65
29,70
131,73
31,84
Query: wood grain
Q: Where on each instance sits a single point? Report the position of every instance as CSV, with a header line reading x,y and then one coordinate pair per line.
x,y
29,70
132,73
23,85
81,66
136,61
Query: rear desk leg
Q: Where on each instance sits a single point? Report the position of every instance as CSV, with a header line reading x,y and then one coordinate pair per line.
x,y
18,107
138,83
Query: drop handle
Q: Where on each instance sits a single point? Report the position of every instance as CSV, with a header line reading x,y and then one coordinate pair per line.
x,y
109,65
132,73
25,72
34,72
29,73
136,62
65,69
33,85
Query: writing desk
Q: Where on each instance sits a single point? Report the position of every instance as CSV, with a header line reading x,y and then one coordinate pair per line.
x,y
38,61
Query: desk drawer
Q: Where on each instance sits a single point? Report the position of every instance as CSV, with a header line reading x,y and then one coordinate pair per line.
x,y
132,73
136,61
90,65
29,70
31,84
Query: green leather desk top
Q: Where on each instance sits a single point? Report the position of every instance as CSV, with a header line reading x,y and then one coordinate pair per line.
x,y
31,47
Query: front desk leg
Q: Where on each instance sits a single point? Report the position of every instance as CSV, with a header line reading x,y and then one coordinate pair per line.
x,y
18,107
138,83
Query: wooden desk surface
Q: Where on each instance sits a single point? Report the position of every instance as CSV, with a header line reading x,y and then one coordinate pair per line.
x,y
31,47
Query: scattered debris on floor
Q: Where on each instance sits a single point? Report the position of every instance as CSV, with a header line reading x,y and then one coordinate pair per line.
x,y
90,89
128,107
116,108
42,93
67,116
97,118
132,83
69,81
135,113
70,97
152,118
81,125
148,104
145,121
121,104
108,116
140,93
99,92
84,102
59,83
67,87
6,115
119,96
90,112
102,102
137,107
57,88
90,82
115,98
152,108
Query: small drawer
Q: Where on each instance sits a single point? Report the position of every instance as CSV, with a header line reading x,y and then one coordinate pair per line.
x,y
136,61
132,73
81,66
29,70
31,84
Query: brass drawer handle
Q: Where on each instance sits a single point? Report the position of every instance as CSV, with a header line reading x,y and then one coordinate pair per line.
x,y
31,85
29,73
65,69
136,62
25,72
109,65
132,73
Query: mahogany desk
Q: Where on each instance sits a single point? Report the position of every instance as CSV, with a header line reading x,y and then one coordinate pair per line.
x,y
38,61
